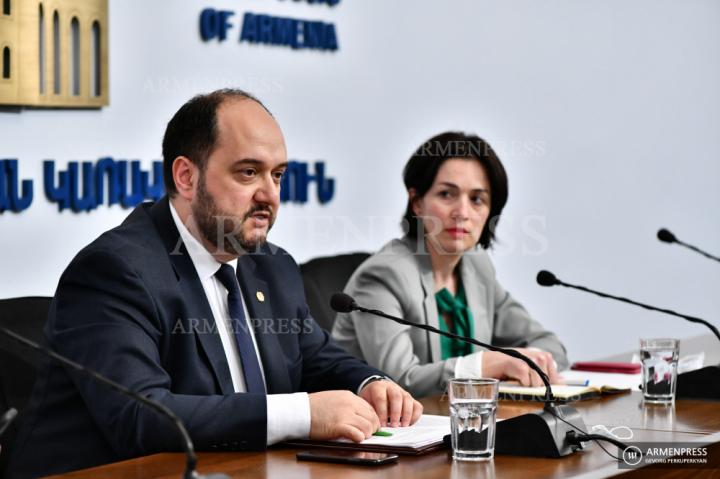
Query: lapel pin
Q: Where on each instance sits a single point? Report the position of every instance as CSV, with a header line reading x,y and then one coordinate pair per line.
x,y
260,296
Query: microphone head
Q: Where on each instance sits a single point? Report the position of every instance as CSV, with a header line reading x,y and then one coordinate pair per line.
x,y
342,303
546,278
666,236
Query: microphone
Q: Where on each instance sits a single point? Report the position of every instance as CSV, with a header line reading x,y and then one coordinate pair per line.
x,y
342,303
546,278
666,236
191,461
545,433
702,383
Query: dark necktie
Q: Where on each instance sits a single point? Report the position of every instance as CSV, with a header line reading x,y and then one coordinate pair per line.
x,y
250,365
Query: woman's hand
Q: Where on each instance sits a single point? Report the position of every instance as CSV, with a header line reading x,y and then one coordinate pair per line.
x,y
500,366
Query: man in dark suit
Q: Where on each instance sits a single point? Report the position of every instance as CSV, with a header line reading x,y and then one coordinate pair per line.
x,y
187,304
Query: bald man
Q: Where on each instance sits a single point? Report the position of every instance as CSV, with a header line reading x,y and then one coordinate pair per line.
x,y
188,304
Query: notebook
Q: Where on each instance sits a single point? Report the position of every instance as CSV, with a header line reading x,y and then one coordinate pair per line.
x,y
598,384
424,436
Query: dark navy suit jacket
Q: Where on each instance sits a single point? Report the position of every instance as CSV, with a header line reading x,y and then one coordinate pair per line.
x,y
131,306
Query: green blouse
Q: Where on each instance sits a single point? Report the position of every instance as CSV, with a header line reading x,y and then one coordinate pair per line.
x,y
460,317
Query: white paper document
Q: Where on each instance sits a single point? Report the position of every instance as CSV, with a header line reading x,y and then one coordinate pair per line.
x,y
429,429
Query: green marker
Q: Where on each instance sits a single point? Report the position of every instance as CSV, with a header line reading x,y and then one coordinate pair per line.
x,y
382,433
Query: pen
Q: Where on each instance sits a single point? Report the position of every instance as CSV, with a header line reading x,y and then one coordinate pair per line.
x,y
577,382
382,433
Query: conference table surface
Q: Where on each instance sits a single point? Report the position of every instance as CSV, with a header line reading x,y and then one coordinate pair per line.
x,y
687,421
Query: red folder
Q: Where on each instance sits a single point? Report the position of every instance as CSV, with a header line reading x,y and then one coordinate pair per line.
x,y
607,367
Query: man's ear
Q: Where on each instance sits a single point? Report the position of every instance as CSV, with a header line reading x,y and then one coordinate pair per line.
x,y
185,175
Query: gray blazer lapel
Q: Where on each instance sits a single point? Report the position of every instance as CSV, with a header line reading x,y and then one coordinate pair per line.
x,y
475,292
430,305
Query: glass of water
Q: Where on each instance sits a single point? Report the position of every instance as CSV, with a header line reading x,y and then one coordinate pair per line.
x,y
659,369
473,407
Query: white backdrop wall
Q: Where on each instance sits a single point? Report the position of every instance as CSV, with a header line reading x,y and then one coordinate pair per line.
x,y
606,114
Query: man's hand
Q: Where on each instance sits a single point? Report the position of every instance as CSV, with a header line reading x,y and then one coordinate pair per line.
x,y
501,366
393,405
335,414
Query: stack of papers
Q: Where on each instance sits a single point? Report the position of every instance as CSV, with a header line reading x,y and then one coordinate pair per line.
x,y
426,431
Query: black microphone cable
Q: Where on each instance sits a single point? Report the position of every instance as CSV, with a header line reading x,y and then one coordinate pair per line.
x,y
191,459
546,278
344,303
666,236
584,437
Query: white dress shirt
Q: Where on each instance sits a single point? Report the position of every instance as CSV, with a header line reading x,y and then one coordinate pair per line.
x,y
470,366
288,415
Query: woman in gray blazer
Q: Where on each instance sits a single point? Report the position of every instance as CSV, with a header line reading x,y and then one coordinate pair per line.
x,y
440,274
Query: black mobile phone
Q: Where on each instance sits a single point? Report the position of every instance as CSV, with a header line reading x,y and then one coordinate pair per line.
x,y
363,458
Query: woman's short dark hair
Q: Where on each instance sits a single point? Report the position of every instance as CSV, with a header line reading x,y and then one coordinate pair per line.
x,y
423,166
192,132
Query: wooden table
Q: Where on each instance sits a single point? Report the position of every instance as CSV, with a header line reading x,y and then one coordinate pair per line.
x,y
687,421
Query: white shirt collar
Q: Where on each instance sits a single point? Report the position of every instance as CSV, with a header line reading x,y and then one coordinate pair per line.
x,y
205,264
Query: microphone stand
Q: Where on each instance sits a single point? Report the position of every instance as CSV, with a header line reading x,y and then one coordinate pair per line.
x,y
703,383
546,433
191,459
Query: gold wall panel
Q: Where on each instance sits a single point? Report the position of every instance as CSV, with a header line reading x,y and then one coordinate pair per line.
x,y
20,33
